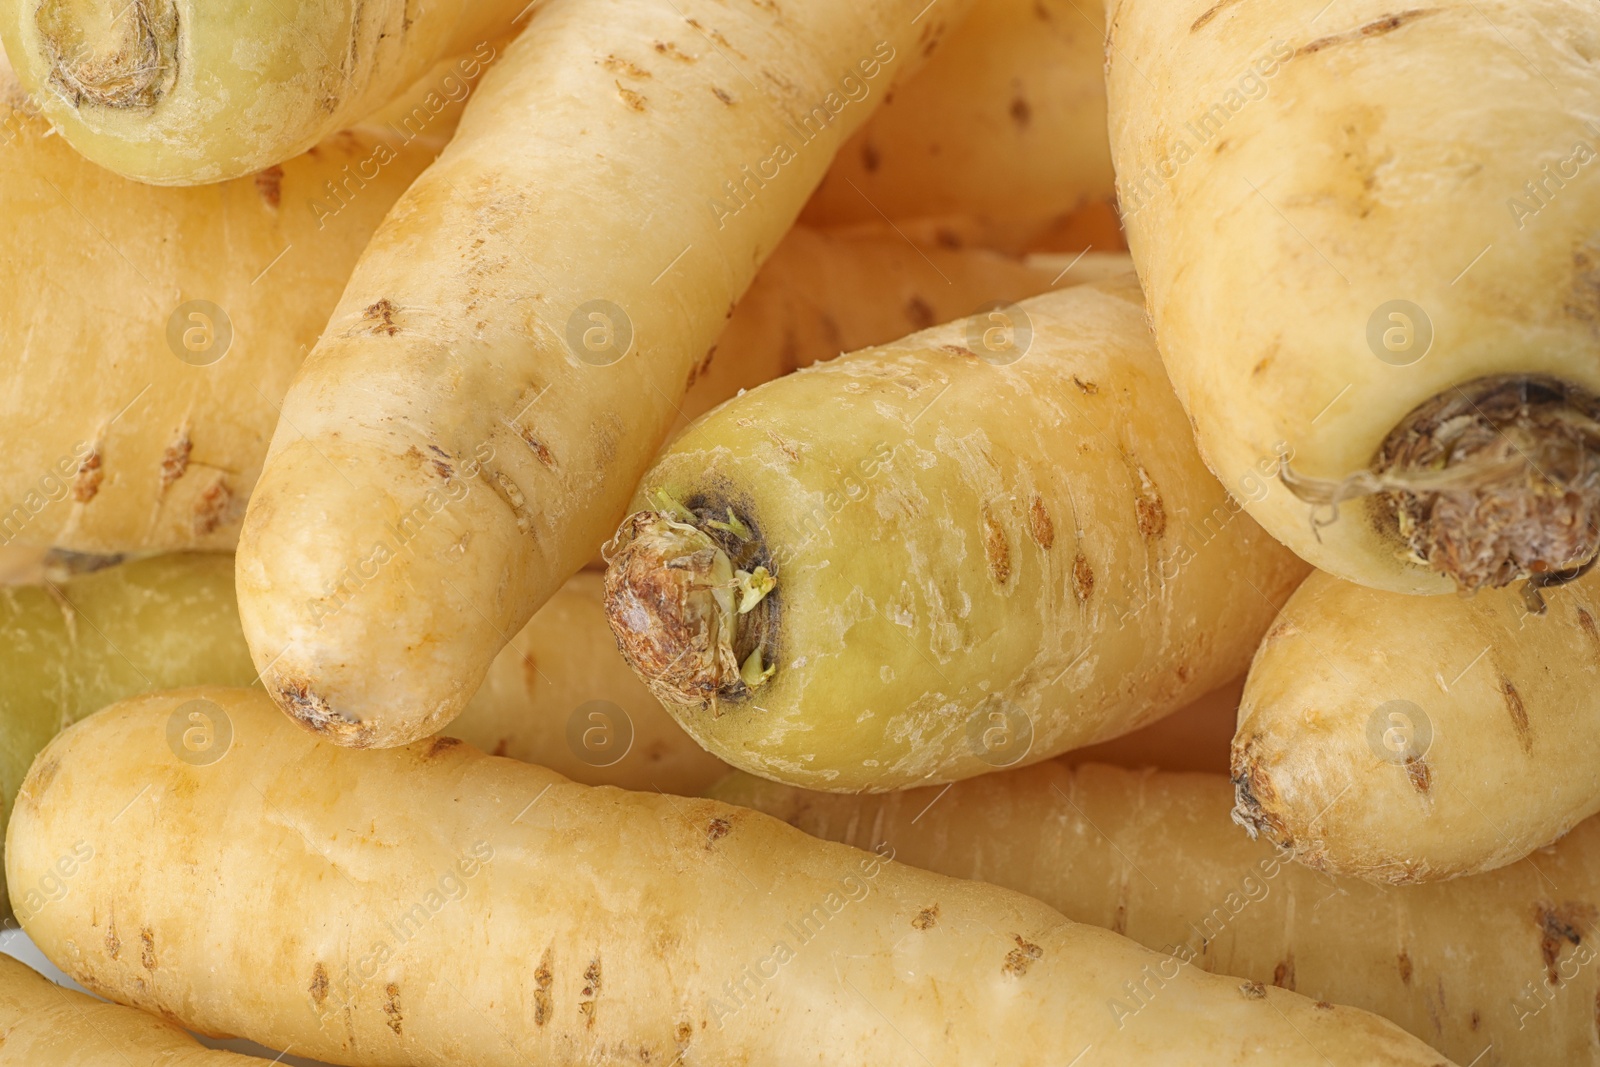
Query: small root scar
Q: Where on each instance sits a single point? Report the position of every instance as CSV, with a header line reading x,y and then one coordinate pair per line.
x,y
1019,959
591,990
716,830
1519,715
927,918
630,99
1150,511
996,549
147,949
381,315
391,1007
319,984
1561,923
1040,525
543,979
175,460
1420,775
1082,578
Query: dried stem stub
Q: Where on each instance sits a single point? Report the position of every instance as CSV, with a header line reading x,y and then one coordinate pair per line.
x,y
1491,482
688,593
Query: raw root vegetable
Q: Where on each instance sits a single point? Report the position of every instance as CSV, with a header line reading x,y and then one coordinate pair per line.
x,y
559,695
513,344
1153,856
912,564
1373,268
182,92
162,327
69,649
44,1024
1404,739
822,294
453,908
1007,123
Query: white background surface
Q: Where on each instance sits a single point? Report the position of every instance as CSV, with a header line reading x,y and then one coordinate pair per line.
x,y
15,943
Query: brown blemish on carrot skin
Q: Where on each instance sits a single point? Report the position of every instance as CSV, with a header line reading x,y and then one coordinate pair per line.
x,y
927,918
1323,1005
90,474
1119,920
715,35
269,183
381,315
391,1006
1387,24
632,100
1567,922
591,989
959,350
919,313
1082,578
1473,1022
1087,388
996,549
541,452
319,984
723,95
1253,991
1519,714
211,506
1019,959
175,460
147,949
1260,367
618,65
716,830
671,51
1283,973
1403,962
441,464
1040,526
1586,623
1152,513
113,943
543,978
1418,772
441,744
684,1032
1021,112
1215,9
870,159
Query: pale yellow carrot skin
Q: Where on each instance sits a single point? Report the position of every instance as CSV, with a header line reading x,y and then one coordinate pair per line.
x,y
826,293
1006,125
456,909
1403,739
1289,170
186,92
131,423
513,344
44,1024
1499,970
966,554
